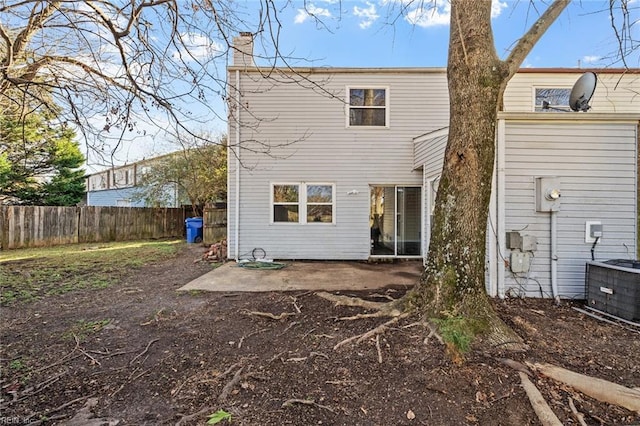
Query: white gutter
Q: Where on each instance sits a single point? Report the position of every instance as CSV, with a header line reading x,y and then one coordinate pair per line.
x,y
500,206
236,236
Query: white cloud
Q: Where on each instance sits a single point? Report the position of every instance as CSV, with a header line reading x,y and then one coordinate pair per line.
x,y
591,59
309,11
496,8
197,46
367,14
438,12
430,14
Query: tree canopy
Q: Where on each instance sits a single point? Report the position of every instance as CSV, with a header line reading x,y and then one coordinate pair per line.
x,y
39,162
198,172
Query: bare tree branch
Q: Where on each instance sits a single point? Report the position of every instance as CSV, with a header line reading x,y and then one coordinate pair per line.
x,y
537,30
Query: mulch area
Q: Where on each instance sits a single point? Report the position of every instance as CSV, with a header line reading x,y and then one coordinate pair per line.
x,y
148,355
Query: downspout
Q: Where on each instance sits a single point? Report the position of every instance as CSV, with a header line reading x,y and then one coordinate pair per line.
x,y
492,239
500,207
236,230
426,215
554,256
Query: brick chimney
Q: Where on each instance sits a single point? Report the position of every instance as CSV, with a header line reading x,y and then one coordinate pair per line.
x,y
243,50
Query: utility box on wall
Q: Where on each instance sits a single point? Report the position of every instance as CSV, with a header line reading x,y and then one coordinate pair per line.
x,y
547,194
519,262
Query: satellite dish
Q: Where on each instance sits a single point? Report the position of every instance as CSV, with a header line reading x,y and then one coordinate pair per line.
x,y
583,91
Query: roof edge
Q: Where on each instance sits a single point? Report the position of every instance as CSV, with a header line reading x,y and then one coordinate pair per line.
x,y
344,70
411,70
570,116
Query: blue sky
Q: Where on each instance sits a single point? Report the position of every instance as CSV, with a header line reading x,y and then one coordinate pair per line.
x,y
358,33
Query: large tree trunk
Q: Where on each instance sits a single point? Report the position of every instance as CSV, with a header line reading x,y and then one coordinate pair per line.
x,y
452,285
453,281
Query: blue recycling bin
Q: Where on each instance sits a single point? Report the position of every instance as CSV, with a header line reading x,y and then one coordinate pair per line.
x,y
194,229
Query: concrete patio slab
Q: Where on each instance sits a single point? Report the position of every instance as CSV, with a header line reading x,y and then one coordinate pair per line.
x,y
309,275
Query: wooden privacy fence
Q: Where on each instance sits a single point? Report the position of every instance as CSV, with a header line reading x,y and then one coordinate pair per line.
x,y
38,226
214,225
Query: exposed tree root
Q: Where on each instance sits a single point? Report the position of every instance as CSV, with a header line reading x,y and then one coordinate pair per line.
x,y
293,401
378,330
599,389
186,418
230,385
378,314
144,351
546,416
249,335
495,334
270,315
433,332
499,336
83,352
578,415
378,348
311,356
383,309
518,366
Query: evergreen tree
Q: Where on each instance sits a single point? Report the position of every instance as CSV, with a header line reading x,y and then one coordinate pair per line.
x,y
39,162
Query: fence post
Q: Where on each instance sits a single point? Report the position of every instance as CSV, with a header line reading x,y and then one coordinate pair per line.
x,y
4,228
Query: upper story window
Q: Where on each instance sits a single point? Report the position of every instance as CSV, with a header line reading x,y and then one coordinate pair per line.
x,y
302,203
551,99
368,107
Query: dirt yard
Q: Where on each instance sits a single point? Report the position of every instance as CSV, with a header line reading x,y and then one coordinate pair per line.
x,y
140,353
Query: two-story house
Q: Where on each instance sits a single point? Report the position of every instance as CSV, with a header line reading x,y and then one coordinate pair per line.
x,y
119,186
343,164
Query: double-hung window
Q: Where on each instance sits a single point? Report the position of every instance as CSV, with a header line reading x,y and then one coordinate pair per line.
x,y
551,99
286,202
368,107
302,203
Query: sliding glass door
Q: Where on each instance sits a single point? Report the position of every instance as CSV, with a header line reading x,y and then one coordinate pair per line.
x,y
396,221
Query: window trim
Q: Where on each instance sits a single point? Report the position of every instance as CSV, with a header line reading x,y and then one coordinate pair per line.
x,y
387,93
302,203
535,105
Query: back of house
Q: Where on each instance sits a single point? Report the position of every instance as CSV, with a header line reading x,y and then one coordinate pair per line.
x,y
343,164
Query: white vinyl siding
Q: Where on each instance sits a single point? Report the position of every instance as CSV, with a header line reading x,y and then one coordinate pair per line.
x,y
429,152
308,142
615,92
596,165
293,130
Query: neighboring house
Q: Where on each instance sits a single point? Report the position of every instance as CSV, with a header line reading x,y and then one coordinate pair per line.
x,y
118,186
343,164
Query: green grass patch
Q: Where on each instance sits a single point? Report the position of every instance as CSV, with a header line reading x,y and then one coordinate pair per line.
x,y
17,365
457,332
30,274
83,328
